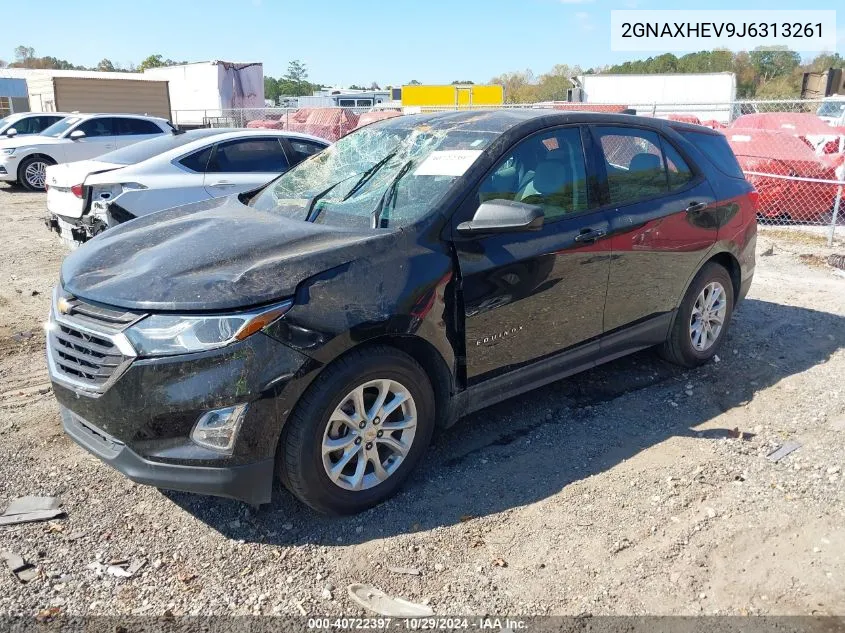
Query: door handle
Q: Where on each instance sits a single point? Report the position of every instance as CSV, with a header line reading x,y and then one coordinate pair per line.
x,y
589,235
222,184
695,207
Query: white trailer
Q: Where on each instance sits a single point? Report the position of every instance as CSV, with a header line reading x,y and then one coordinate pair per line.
x,y
704,95
202,92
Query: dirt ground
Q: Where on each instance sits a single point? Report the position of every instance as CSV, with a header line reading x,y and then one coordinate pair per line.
x,y
635,488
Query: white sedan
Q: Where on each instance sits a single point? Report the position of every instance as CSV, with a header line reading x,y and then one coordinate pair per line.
x,y
87,197
78,137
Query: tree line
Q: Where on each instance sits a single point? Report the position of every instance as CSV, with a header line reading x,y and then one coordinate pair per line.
x,y
25,58
760,74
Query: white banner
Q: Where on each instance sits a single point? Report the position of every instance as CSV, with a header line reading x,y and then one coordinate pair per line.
x,y
697,30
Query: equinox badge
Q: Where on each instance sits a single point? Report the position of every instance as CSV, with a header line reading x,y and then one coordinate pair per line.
x,y
498,335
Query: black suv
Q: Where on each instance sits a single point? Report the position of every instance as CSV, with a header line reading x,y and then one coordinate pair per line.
x,y
422,267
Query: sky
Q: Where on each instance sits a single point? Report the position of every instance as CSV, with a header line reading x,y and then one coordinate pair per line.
x,y
345,42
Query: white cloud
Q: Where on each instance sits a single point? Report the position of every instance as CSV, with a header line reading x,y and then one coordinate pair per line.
x,y
584,22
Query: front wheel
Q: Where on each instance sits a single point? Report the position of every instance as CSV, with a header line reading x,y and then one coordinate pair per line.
x,y
358,431
32,173
702,318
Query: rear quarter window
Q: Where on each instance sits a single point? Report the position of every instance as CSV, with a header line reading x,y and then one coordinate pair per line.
x,y
715,147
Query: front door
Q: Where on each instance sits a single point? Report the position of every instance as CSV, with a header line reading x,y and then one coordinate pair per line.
x,y
663,219
244,164
530,295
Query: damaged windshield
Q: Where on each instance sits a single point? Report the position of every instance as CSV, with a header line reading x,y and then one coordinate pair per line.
x,y
382,176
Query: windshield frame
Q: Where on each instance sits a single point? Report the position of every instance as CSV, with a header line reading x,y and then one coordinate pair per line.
x,y
74,121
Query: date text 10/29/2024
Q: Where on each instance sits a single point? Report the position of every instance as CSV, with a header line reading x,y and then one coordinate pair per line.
x,y
419,624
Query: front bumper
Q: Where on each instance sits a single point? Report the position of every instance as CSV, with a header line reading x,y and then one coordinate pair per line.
x,y
142,422
8,169
251,483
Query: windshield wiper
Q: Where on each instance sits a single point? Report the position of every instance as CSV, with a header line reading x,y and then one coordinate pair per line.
x,y
312,202
365,177
389,196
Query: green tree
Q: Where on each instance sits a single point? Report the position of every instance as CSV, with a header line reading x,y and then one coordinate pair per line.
x,y
553,85
271,89
414,82
774,63
24,54
105,66
153,61
519,86
464,83
295,82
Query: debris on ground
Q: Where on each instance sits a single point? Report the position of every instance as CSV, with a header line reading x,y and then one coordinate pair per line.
x,y
29,509
23,571
118,568
379,602
407,571
788,447
837,261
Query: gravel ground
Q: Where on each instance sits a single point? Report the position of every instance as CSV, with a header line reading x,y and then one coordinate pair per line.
x,y
635,488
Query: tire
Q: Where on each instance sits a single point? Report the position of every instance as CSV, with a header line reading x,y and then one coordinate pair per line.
x,y
31,172
302,467
680,347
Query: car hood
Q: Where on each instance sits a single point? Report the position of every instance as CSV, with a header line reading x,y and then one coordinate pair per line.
x,y
214,255
29,140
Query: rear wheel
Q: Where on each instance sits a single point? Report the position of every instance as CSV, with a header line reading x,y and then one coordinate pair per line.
x,y
32,173
702,318
358,431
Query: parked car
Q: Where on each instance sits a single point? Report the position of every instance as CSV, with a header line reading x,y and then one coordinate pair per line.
x,y
799,188
24,123
832,110
86,197
25,160
420,268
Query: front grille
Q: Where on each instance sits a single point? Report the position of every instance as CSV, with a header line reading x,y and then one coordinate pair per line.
x,y
86,346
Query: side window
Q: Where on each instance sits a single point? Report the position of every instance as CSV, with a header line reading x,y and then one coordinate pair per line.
x,y
546,169
29,125
346,103
677,169
634,162
129,127
251,155
97,127
46,121
197,161
304,149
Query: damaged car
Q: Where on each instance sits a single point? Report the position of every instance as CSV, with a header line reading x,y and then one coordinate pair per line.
x,y
84,198
317,331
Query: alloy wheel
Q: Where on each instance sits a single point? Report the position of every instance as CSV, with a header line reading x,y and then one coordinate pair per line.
x,y
708,316
369,434
36,174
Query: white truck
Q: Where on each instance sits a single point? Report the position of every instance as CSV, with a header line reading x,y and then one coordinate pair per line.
x,y
708,96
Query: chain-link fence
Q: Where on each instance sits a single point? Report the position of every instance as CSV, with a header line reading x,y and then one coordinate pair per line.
x,y
792,151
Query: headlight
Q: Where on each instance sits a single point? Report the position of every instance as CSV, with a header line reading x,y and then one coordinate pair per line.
x,y
163,334
8,152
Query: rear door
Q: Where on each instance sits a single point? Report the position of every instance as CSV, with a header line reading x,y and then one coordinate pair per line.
x,y
531,295
298,149
130,130
166,185
663,221
244,164
100,137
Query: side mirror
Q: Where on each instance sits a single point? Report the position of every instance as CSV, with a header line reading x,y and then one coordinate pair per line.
x,y
76,135
504,216
11,132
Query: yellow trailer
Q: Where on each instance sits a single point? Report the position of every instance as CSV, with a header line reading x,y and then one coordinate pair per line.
x,y
451,95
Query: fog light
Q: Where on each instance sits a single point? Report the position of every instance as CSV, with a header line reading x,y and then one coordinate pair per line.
x,y
218,429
